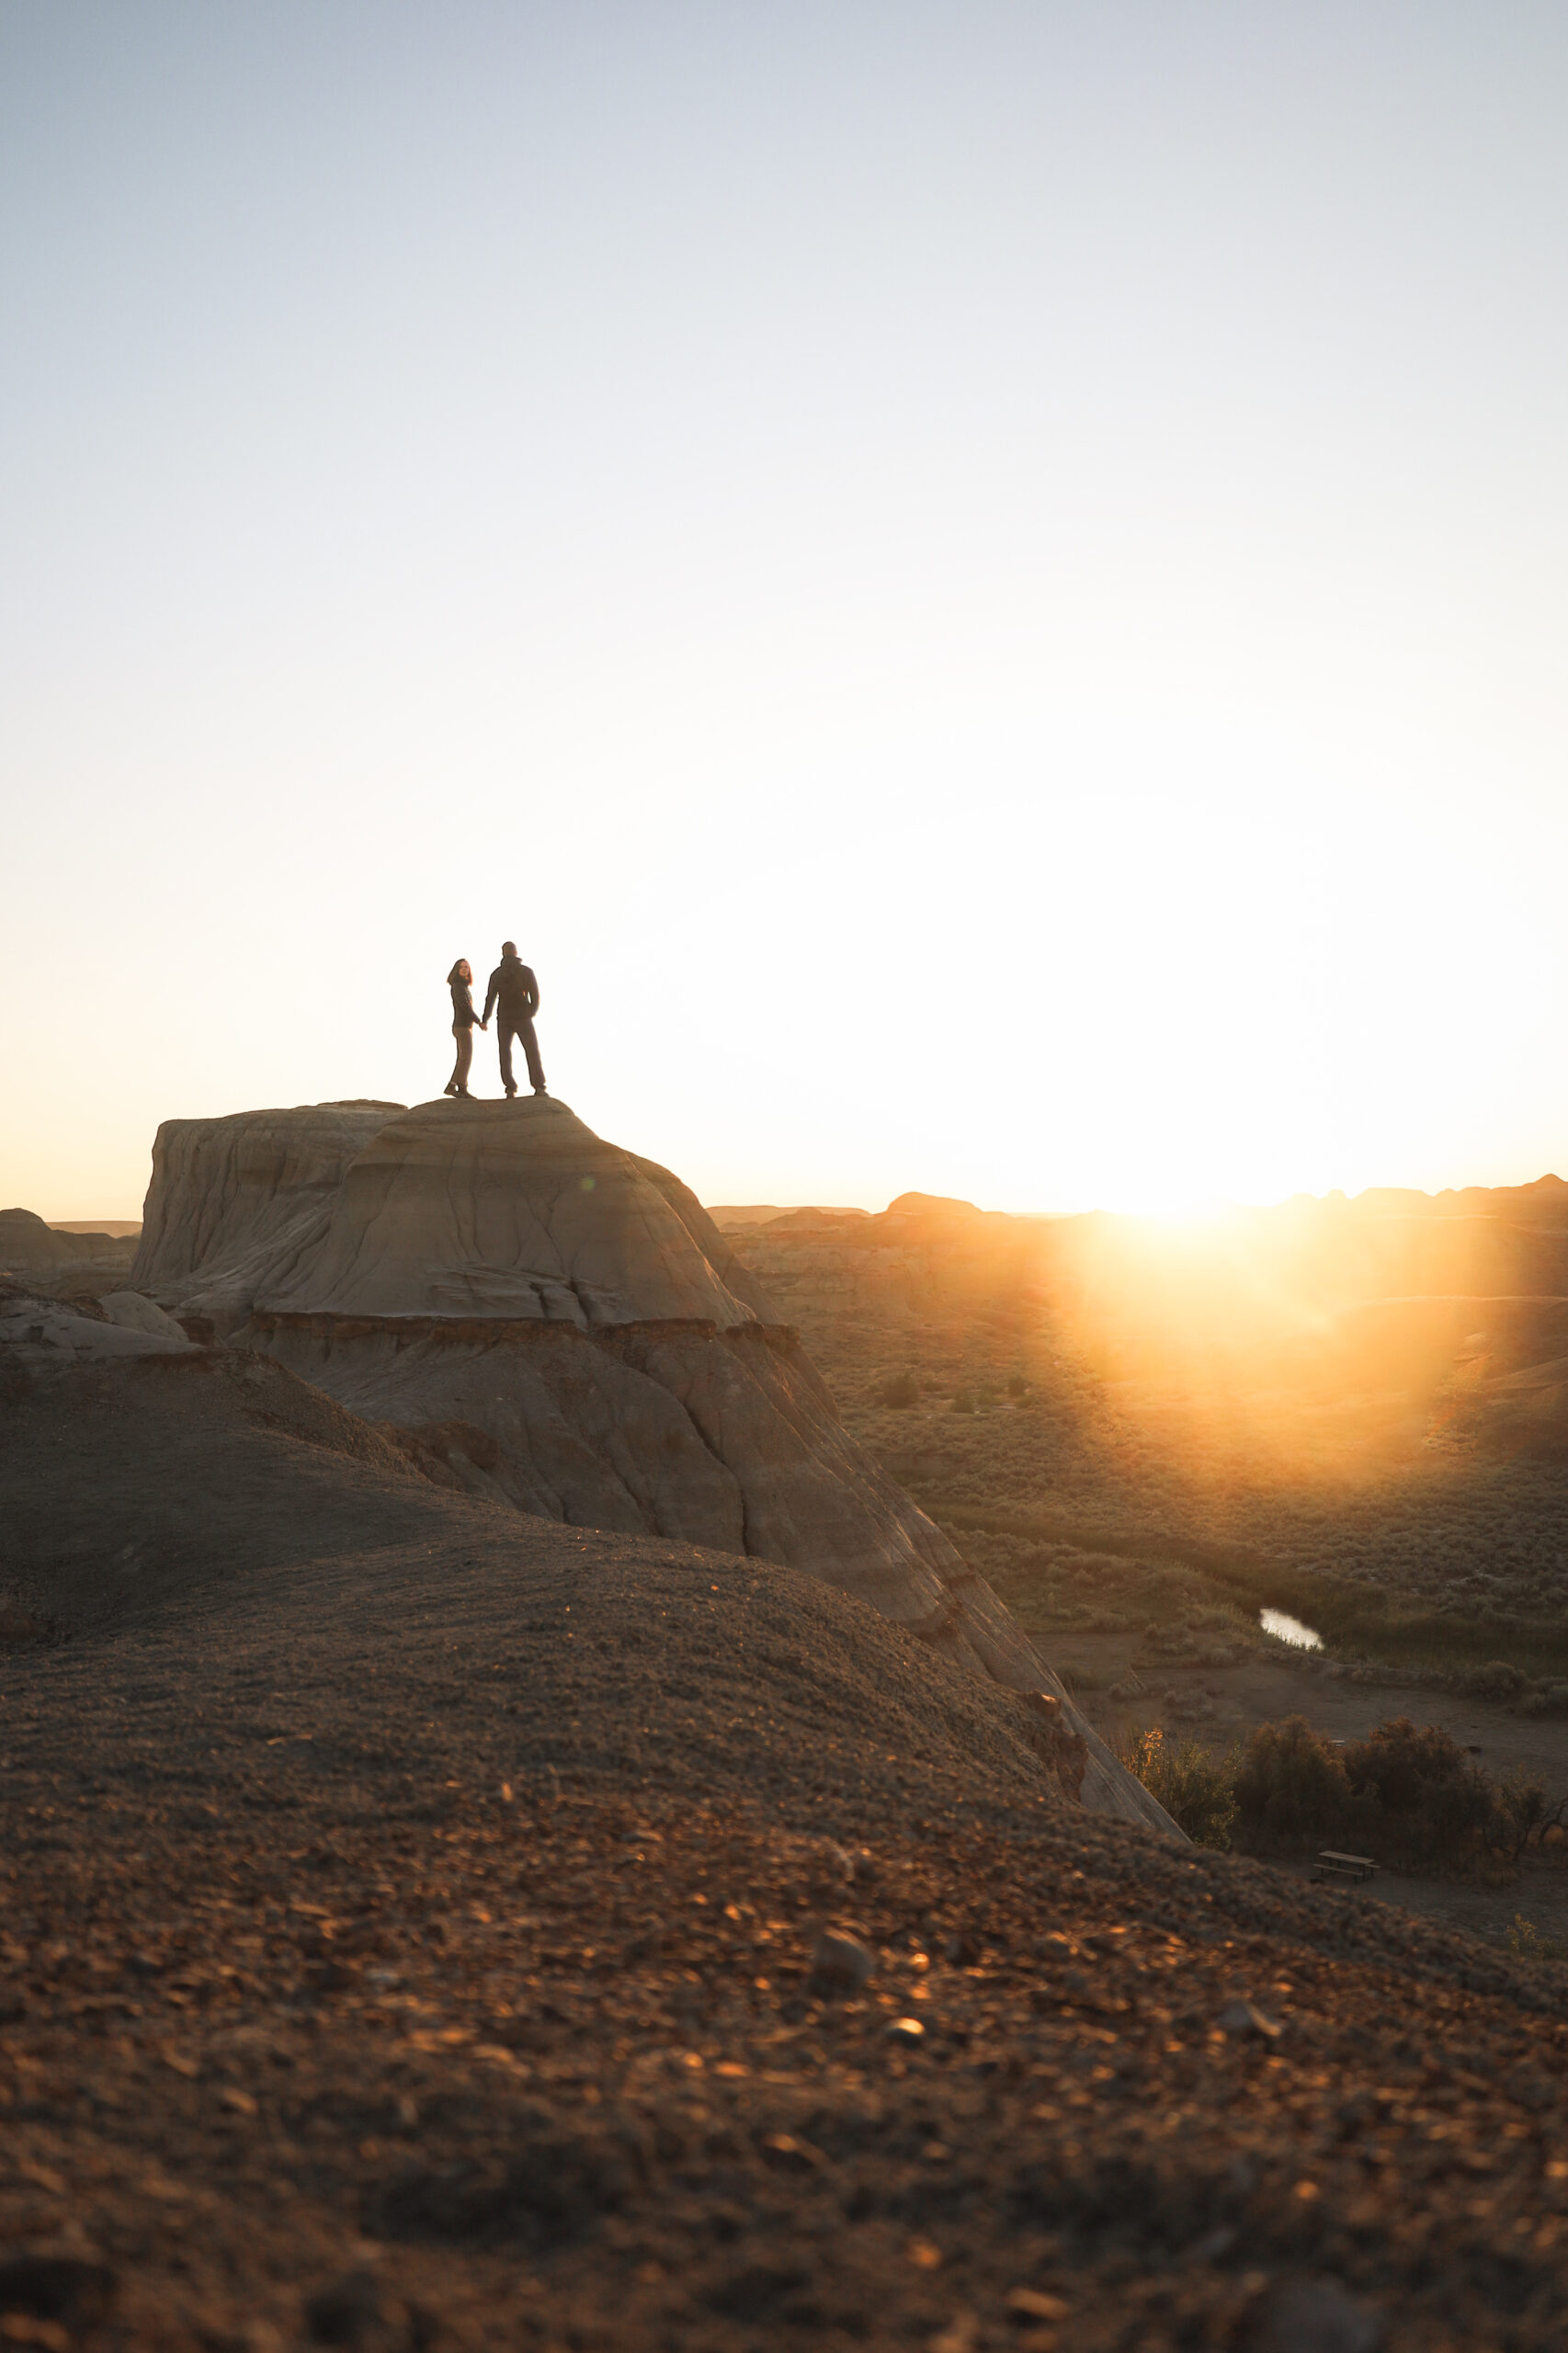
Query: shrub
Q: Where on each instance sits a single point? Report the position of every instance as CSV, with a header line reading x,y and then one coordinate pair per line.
x,y
1017,1386
900,1389
1292,1785
1412,1798
1526,1943
1524,1811
1434,1805
964,1401
1078,1678
1496,1680
1546,1699
1197,1790
19,1625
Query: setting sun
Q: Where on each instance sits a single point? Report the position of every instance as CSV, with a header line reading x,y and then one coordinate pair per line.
x,y
783,1241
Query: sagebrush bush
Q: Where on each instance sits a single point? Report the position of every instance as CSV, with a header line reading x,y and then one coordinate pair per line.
x,y
900,1389
1545,1700
1496,1680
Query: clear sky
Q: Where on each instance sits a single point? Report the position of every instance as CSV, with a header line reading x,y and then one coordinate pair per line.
x,y
983,586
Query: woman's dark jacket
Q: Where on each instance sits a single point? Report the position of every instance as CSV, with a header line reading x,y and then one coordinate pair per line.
x,y
463,1014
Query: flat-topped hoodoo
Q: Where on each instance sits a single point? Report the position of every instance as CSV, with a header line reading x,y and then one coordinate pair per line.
x,y
514,1210
563,1323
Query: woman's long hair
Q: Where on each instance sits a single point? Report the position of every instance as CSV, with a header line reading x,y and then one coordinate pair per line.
x,y
460,971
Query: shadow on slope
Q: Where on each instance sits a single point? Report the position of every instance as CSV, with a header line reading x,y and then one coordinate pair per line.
x,y
264,1547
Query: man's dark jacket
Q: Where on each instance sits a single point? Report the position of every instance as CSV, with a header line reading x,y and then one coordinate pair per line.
x,y
514,988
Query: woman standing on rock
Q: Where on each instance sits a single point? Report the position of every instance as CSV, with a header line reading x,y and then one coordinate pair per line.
x,y
459,980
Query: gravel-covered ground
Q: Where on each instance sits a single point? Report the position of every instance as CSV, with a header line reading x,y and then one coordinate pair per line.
x,y
407,1940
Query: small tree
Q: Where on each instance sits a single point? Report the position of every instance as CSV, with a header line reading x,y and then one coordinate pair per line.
x,y
1428,1799
1524,1811
1290,1785
901,1389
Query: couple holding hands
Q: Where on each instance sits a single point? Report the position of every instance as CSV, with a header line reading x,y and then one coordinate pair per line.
x,y
513,994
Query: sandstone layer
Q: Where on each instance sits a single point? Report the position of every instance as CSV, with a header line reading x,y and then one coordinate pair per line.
x,y
563,1323
235,1202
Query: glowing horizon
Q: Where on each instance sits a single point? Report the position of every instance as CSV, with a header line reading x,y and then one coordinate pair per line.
x,y
980,589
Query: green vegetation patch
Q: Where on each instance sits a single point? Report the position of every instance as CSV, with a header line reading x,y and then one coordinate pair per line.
x,y
1198,1791
1357,1622
1408,1797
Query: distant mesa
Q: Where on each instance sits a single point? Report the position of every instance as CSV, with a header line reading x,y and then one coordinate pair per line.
x,y
932,1205
726,1215
567,1328
29,1246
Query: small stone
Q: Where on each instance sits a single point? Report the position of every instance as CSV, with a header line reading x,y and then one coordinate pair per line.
x,y
908,2032
1244,2017
1312,2317
69,2287
360,2312
1035,2303
841,1965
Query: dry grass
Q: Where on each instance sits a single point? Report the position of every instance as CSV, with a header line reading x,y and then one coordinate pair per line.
x,y
1095,1503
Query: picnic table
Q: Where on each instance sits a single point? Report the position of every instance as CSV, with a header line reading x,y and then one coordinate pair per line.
x,y
1354,1868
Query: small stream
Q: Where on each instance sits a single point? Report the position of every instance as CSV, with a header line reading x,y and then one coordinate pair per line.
x,y
1286,1629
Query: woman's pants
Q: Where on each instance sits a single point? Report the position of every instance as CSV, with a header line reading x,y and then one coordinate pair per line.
x,y
464,1037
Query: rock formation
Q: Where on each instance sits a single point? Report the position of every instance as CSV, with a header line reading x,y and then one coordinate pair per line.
x,y
37,1330
37,1253
234,1202
564,1325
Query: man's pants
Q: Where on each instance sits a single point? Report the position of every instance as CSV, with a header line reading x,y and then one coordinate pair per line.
x,y
524,1030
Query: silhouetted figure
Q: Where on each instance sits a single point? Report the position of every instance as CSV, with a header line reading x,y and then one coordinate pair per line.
x,y
459,980
513,989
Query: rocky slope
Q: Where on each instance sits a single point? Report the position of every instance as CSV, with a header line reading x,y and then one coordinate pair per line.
x,y
564,1326
409,1929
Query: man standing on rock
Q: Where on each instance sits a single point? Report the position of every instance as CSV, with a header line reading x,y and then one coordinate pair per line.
x,y
514,988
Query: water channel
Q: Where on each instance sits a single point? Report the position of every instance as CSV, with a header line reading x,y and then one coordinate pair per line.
x,y
1286,1629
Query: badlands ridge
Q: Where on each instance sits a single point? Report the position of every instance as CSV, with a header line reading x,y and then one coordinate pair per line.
x,y
562,1325
429,1919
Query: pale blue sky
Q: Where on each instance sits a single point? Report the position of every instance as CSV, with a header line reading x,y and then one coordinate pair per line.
x,y
983,587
